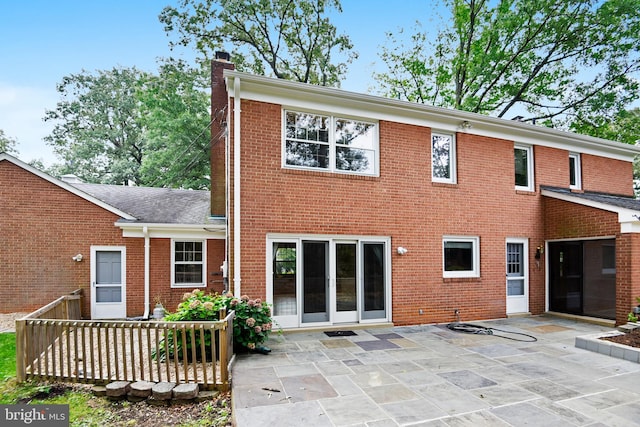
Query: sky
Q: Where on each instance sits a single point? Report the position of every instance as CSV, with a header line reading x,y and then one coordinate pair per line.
x,y
41,41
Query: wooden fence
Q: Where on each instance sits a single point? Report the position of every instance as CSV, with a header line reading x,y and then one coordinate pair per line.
x,y
50,348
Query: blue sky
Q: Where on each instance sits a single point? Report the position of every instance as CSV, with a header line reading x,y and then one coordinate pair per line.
x,y
41,41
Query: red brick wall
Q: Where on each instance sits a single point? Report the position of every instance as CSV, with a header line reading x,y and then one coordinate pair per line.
x,y
402,203
564,220
606,175
43,226
627,275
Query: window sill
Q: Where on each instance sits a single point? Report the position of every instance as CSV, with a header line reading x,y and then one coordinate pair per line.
x,y
329,174
444,184
188,285
461,279
526,192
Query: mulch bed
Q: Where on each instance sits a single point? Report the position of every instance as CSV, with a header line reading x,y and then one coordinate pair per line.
x,y
632,339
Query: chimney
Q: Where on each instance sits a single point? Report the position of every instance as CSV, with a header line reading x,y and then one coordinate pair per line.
x,y
219,132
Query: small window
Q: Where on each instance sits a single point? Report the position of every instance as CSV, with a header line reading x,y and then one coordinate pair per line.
x,y
523,156
461,256
443,158
575,179
188,268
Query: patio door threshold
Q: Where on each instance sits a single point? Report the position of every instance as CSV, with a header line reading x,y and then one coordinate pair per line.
x,y
339,327
609,323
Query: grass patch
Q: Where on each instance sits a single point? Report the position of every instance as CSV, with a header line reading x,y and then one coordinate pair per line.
x,y
7,355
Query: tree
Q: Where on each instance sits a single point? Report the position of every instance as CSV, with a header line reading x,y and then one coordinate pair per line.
x,y
290,39
557,61
98,133
7,144
175,112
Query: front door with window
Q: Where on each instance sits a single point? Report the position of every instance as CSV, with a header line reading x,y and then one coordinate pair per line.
x,y
517,276
108,289
328,281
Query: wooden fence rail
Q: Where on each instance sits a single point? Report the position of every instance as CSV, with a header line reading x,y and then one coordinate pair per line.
x,y
103,351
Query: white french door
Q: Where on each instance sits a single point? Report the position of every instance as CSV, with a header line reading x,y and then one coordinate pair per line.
x,y
108,283
517,266
328,281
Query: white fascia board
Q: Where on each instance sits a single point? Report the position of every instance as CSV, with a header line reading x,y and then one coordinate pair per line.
x,y
337,101
169,231
65,186
625,216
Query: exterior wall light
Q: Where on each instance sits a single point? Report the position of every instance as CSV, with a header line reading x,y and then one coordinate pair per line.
x,y
402,250
466,125
77,258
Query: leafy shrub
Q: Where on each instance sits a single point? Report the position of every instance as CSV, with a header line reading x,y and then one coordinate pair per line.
x,y
251,326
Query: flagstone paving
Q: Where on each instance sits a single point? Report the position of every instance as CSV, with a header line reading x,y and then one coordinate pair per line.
x,y
428,375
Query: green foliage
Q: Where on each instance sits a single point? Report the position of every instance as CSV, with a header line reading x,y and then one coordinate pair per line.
x,y
252,324
523,55
8,144
97,132
251,327
174,109
123,125
289,39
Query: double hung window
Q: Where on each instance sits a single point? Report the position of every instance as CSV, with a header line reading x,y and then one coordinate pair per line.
x,y
575,179
523,156
333,144
188,259
443,165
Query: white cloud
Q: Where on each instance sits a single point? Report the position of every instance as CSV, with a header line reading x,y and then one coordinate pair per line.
x,y
21,111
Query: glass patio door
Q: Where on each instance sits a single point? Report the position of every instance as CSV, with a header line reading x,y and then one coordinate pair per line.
x,y
346,282
315,282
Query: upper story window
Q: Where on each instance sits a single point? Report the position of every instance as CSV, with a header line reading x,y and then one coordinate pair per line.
x,y
523,156
443,157
575,175
333,144
188,259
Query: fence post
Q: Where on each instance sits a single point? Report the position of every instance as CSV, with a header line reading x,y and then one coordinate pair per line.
x,y
20,350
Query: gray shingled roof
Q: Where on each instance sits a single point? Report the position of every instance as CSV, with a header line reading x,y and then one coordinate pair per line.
x,y
607,199
154,205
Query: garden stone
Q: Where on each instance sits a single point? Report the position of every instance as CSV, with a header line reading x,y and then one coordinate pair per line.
x,y
141,389
162,390
185,391
135,399
118,388
99,390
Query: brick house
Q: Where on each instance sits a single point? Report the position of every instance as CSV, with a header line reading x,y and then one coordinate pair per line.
x,y
351,208
123,246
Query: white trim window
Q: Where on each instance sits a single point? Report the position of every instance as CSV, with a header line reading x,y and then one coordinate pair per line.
x,y
333,144
460,256
443,157
575,174
188,263
523,157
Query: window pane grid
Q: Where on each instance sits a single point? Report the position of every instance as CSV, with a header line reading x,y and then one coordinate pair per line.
x,y
334,144
188,263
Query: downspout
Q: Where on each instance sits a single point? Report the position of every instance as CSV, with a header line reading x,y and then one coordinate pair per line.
x,y
236,187
147,245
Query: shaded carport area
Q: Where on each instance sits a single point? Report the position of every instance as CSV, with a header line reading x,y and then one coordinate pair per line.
x,y
593,252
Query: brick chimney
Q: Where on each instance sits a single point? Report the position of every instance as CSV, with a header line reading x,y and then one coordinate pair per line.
x,y
218,132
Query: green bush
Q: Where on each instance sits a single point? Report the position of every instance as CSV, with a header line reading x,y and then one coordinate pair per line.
x,y
251,326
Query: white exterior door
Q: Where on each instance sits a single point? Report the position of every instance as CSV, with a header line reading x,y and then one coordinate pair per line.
x,y
517,276
108,284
